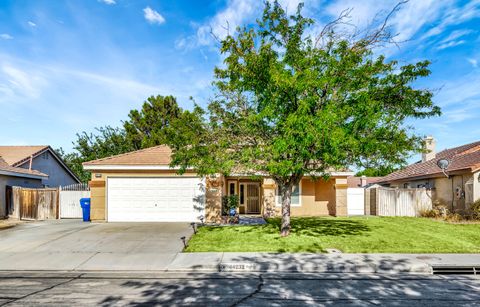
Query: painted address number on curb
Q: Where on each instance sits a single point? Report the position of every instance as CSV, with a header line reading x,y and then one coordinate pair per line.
x,y
229,267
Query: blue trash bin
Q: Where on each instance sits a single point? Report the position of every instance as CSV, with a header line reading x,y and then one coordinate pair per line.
x,y
85,204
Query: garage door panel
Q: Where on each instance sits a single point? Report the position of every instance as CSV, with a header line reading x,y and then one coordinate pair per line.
x,y
155,199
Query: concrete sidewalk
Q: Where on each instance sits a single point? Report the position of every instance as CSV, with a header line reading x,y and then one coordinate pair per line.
x,y
319,263
72,246
234,262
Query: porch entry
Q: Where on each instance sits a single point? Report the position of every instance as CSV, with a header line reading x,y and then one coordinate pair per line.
x,y
248,195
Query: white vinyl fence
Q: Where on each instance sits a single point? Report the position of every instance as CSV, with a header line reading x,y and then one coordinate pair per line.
x,y
70,200
356,201
401,202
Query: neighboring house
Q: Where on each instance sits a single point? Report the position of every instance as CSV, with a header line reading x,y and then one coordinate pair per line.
x,y
362,181
456,189
16,176
42,159
140,186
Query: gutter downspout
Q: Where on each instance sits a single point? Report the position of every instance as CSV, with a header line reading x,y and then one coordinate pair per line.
x,y
30,165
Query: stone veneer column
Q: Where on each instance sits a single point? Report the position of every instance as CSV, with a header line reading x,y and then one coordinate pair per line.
x,y
268,198
213,199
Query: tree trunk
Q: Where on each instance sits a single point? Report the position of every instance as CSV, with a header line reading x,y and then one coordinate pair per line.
x,y
286,193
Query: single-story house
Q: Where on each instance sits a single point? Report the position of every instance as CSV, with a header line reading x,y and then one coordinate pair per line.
x,y
141,186
16,176
457,188
40,158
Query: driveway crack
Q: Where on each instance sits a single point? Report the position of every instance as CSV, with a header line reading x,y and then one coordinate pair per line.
x,y
257,290
43,290
86,260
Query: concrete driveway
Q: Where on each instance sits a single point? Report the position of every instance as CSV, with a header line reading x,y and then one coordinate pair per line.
x,y
75,245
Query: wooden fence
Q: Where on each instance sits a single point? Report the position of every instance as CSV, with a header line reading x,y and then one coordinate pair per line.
x,y
35,204
397,202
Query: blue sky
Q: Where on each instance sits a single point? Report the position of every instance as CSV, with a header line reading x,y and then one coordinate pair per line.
x,y
70,66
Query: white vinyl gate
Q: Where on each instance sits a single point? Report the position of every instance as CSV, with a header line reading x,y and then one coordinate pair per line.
x,y
70,200
356,201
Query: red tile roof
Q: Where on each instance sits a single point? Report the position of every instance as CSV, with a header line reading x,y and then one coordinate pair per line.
x,y
461,158
158,155
355,182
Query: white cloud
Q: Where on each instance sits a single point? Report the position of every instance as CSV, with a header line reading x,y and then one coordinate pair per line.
x,y
235,14
153,16
455,35
406,22
226,21
32,24
474,62
452,39
451,44
453,15
180,43
15,81
460,113
459,91
109,2
6,36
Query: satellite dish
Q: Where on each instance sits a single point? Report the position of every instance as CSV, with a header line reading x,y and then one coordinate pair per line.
x,y
443,164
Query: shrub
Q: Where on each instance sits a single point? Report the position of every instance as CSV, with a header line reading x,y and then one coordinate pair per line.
x,y
454,218
229,202
437,212
430,213
475,210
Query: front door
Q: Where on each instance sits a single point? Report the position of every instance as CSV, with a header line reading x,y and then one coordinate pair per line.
x,y
250,197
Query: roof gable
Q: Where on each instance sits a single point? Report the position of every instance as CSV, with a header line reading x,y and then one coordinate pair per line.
x,y
19,155
16,155
18,171
157,155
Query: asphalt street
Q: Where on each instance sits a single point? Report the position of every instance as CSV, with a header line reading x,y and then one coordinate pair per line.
x,y
235,289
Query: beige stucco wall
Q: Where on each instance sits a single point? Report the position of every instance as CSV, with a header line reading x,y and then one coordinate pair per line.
x,y
445,191
98,209
476,186
318,198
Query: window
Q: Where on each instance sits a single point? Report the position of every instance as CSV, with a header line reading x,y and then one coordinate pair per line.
x,y
242,194
295,199
232,188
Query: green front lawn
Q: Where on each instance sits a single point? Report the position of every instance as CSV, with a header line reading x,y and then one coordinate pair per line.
x,y
350,235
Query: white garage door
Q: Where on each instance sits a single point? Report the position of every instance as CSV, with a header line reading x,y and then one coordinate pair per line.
x,y
179,199
356,201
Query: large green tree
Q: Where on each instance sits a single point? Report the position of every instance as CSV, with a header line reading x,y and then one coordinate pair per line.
x,y
290,104
149,126
146,127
